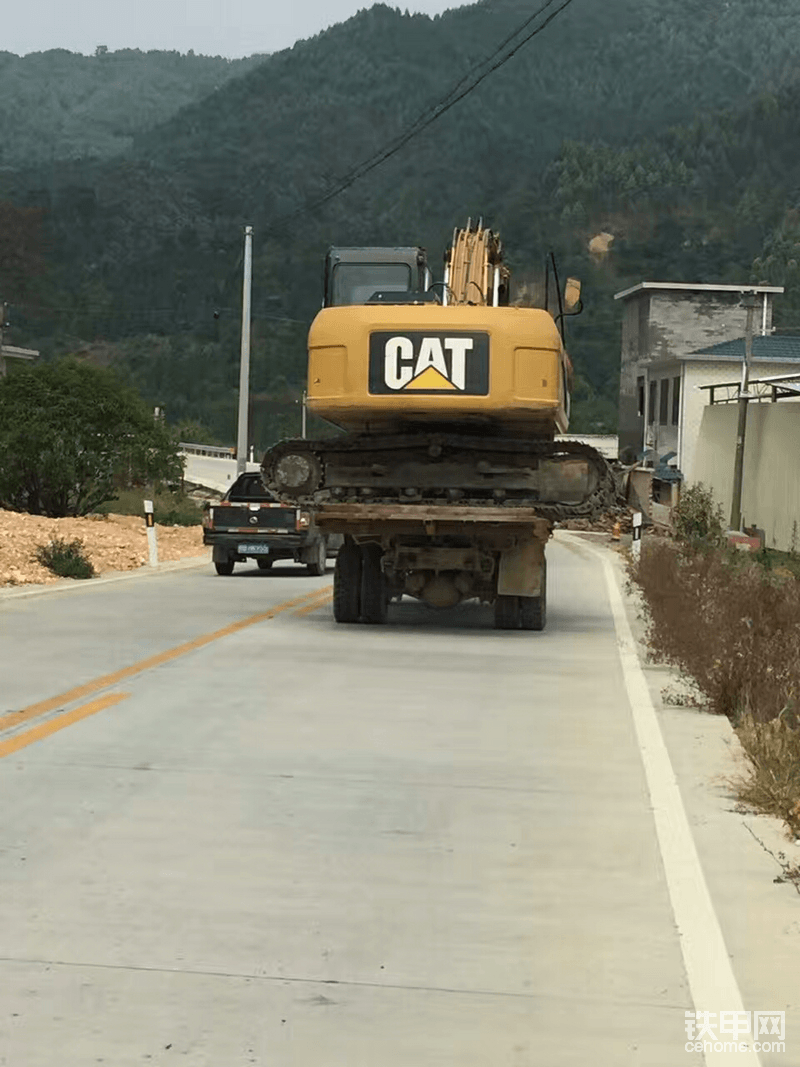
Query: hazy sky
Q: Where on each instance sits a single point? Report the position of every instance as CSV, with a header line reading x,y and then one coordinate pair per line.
x,y
212,27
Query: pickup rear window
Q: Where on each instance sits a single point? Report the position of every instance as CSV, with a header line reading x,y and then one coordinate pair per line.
x,y
249,487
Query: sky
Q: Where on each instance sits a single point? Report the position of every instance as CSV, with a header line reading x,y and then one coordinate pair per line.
x,y
230,28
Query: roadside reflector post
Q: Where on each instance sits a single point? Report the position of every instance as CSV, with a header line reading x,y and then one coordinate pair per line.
x,y
150,523
636,534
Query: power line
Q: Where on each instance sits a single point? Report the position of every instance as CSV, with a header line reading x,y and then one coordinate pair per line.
x,y
430,114
462,88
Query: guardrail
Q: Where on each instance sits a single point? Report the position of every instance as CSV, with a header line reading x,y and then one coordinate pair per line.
x,y
217,451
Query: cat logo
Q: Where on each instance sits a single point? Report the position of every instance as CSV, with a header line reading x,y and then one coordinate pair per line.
x,y
436,362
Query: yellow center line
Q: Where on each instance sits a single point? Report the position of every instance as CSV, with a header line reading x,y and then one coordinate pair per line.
x,y
13,718
315,606
45,729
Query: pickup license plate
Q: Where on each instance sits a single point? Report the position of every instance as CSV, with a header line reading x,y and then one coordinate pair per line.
x,y
253,550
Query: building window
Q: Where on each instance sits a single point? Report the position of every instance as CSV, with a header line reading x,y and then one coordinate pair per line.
x,y
663,407
676,401
651,405
640,396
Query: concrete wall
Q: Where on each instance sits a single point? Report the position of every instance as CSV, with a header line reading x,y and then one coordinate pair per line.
x,y
634,328
683,321
771,483
696,400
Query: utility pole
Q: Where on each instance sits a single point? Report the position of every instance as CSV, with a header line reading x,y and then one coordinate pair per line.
x,y
738,467
3,313
244,364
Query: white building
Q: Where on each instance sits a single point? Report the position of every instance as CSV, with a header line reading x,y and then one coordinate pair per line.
x,y
673,424
676,338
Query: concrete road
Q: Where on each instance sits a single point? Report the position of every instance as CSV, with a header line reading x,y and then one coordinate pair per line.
x,y
234,833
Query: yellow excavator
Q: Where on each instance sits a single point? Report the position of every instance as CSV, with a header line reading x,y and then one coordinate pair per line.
x,y
449,472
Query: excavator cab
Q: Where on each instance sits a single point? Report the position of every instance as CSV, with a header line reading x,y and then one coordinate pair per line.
x,y
376,275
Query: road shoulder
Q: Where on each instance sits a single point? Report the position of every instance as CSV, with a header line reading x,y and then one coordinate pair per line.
x,y
738,850
66,585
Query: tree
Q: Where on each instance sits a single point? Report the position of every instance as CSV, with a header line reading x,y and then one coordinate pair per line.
x,y
21,258
69,432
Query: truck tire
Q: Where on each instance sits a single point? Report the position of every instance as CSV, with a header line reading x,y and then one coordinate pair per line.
x,y
533,609
506,613
374,595
318,565
347,583
224,566
264,563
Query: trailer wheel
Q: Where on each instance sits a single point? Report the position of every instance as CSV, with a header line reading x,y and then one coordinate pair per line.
x,y
224,566
347,583
374,594
533,609
506,613
319,563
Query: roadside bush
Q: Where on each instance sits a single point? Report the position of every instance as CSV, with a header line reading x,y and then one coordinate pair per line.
x,y
183,512
697,518
67,559
729,625
169,509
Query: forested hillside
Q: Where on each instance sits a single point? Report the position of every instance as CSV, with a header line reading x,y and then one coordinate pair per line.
x,y
59,105
667,124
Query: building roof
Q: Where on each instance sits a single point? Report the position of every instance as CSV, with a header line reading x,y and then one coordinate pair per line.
x,y
699,288
769,348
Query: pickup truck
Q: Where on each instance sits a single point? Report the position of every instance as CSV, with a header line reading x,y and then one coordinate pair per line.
x,y
250,522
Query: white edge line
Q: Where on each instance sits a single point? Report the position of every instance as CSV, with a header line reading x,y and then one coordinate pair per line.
x,y
71,586
712,982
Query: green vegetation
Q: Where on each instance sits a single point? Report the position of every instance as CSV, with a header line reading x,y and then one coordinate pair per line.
x,y
60,105
169,508
667,124
697,518
69,433
67,559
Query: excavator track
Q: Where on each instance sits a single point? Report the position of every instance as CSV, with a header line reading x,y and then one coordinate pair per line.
x,y
560,479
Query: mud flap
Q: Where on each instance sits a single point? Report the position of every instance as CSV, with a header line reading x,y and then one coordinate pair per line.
x,y
520,572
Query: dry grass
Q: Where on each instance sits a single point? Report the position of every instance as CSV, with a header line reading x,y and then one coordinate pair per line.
x,y
772,750
732,627
728,624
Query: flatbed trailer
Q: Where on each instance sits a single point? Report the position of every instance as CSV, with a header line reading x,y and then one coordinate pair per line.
x,y
440,554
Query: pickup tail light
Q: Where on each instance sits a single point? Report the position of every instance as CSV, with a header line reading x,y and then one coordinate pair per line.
x,y
208,518
303,520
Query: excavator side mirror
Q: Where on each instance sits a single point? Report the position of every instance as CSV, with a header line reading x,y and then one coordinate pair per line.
x,y
572,297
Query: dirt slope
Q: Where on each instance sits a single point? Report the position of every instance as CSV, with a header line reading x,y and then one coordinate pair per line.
x,y
113,543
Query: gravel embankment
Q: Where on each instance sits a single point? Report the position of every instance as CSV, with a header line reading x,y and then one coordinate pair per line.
x,y
113,543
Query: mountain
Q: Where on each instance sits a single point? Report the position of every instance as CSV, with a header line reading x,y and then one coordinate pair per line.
x,y
58,105
666,123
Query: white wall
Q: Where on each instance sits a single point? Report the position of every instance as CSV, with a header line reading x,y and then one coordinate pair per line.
x,y
771,482
696,400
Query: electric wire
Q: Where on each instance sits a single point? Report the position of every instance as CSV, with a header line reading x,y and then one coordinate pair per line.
x,y
462,88
429,115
